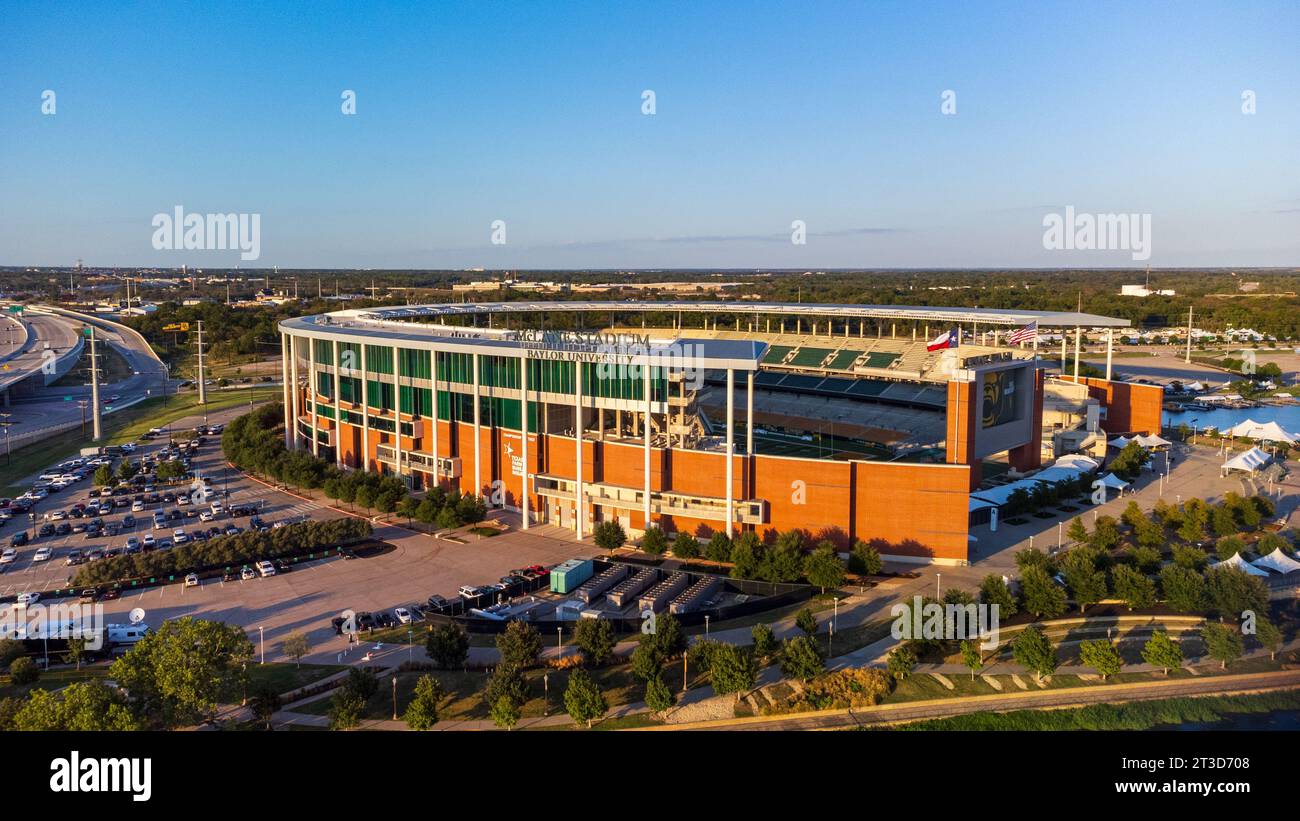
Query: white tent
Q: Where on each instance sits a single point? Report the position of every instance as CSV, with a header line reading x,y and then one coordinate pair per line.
x,y
1242,565
1076,461
1278,561
1152,441
1119,442
1113,482
1249,461
1271,431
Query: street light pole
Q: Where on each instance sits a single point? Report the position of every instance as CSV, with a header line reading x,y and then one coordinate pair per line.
x,y
261,638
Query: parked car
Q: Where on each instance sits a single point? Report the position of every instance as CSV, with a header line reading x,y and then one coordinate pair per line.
x,y
88,595
437,602
8,556
28,598
247,573
42,555
265,568
18,540
192,580
403,615
110,594
75,557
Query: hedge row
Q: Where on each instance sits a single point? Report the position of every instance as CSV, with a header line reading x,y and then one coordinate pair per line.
x,y
224,551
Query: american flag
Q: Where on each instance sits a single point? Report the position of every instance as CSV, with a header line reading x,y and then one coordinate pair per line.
x,y
1029,333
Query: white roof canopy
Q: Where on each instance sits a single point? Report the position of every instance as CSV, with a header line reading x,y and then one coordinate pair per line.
x,y
1242,565
1250,461
1270,431
1278,562
1110,480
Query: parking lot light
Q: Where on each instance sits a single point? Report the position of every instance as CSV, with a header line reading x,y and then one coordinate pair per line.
x,y
261,637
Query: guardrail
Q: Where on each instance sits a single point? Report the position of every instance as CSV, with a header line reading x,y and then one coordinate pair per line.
x,y
27,338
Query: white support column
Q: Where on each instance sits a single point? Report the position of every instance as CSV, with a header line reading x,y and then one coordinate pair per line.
x,y
577,445
397,411
338,411
1065,337
365,412
478,445
523,439
1110,350
646,490
1078,347
749,432
731,441
289,421
433,364
293,391
311,377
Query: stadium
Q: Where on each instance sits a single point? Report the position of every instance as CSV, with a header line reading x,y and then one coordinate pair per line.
x,y
845,421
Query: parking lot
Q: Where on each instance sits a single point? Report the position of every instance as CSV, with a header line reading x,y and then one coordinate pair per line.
x,y
314,592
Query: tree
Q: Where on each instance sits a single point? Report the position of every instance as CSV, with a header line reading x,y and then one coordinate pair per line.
x,y
1146,559
1222,643
1077,531
264,701
746,557
801,658
507,681
1102,656
583,699
685,546
1162,651
520,644
295,646
1184,589
732,669
668,635
1268,636
994,591
806,621
447,646
178,673
1105,533
608,535
10,649
658,696
1086,583
1233,592
765,644
103,476
654,542
76,651
1031,557
901,661
823,567
596,638
345,709
719,548
1041,594
84,706
646,658
865,559
1192,558
422,712
23,670
505,713
971,656
1228,546
1034,651
1133,588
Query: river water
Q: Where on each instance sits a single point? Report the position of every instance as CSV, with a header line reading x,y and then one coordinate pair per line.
x,y
1278,720
1288,416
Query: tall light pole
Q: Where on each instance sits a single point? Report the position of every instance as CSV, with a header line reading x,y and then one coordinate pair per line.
x,y
261,638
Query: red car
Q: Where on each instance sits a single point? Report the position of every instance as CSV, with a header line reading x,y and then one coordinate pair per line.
x,y
539,570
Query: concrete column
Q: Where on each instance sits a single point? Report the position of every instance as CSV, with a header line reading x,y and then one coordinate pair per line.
x,y
577,444
523,439
365,412
311,378
1064,356
646,491
433,364
749,432
1110,349
478,443
731,443
397,411
287,394
338,411
293,392
600,423
1078,345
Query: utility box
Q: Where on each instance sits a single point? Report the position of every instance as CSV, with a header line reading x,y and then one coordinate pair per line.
x,y
567,576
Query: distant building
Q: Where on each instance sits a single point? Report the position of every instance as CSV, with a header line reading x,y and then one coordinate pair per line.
x,y
1142,290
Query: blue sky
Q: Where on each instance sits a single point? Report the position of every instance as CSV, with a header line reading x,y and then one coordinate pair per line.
x,y
530,113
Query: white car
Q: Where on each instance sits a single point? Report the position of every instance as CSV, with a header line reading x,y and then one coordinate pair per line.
x,y
8,556
265,568
28,598
192,580
403,615
42,555
56,515
137,506
149,541
206,516
216,508
182,499
179,536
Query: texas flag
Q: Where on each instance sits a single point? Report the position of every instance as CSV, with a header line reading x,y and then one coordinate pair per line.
x,y
947,339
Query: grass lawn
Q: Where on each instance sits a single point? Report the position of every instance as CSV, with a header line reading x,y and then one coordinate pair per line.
x,y
52,680
119,427
286,676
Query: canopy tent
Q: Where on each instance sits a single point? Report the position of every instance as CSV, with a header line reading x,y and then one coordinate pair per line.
x,y
1152,441
1278,562
1077,461
1065,469
1113,482
1242,565
1270,431
1120,442
1249,461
